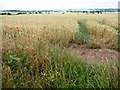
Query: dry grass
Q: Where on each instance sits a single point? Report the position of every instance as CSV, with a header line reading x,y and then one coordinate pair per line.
x,y
60,28
102,34
34,49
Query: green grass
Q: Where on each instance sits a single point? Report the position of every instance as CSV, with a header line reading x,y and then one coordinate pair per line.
x,y
53,67
81,35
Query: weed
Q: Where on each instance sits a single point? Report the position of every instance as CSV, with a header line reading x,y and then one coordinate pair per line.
x,y
82,36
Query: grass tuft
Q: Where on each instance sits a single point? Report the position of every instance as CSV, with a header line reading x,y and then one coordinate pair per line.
x,y
82,36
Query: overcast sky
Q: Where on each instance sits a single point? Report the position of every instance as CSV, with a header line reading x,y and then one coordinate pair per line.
x,y
56,4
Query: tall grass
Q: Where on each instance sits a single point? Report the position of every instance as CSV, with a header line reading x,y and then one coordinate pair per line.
x,y
53,67
103,35
35,56
96,35
81,35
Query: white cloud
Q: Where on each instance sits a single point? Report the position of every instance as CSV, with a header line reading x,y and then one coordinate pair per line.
x,y
56,4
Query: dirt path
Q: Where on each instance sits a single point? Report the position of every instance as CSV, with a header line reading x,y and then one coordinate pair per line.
x,y
94,55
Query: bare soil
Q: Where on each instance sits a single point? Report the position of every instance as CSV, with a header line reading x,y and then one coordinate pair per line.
x,y
94,55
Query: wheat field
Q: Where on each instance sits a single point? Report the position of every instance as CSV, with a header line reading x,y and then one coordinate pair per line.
x,y
35,50
58,26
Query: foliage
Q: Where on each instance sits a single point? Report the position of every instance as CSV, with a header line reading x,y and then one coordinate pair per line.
x,y
82,36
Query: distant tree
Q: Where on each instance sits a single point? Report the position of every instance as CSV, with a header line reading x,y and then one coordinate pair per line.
x,y
8,13
35,12
40,12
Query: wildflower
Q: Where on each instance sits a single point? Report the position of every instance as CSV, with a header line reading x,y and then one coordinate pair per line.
x,y
10,28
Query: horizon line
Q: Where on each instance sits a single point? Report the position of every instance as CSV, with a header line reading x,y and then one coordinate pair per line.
x,y
59,9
